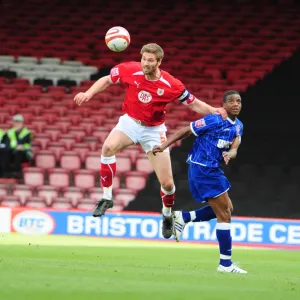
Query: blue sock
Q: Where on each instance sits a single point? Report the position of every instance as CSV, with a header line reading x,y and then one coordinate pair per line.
x,y
205,213
225,243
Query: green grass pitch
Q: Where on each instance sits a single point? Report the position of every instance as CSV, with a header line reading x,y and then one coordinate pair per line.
x,y
64,267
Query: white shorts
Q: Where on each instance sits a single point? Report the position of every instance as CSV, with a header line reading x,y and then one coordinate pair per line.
x,y
146,136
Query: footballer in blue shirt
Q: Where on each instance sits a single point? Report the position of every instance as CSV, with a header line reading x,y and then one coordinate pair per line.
x,y
217,140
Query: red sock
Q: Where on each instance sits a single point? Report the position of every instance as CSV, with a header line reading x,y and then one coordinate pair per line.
x,y
108,170
168,198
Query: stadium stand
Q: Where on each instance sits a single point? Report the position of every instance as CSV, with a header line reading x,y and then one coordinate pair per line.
x,y
42,66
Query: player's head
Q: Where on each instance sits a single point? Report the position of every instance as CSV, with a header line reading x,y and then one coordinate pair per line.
x,y
232,102
152,55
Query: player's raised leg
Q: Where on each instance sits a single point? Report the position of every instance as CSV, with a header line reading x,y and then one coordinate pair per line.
x,y
181,218
222,207
161,163
115,141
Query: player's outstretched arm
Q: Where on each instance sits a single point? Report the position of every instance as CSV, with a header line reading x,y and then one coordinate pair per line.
x,y
232,153
205,109
178,135
99,86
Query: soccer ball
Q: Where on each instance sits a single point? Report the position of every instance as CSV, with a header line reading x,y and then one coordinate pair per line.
x,y
117,38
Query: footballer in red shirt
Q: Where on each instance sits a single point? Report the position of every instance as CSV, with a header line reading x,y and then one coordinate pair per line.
x,y
148,91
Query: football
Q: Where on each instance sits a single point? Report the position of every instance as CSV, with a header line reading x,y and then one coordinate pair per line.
x,y
117,38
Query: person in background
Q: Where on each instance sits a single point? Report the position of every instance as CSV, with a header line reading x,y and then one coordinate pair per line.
x,y
15,148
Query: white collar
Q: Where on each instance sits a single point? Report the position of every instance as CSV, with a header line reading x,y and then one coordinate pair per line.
x,y
232,122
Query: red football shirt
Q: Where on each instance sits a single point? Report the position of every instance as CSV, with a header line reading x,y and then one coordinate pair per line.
x,y
145,99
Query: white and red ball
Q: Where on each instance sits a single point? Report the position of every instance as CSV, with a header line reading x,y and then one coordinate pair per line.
x,y
117,38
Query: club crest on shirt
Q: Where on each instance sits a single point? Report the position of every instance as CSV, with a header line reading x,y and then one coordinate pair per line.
x,y
160,92
200,123
144,96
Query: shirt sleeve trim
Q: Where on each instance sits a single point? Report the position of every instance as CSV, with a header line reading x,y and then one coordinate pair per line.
x,y
191,126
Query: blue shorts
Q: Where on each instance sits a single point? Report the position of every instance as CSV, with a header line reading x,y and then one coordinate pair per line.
x,y
206,183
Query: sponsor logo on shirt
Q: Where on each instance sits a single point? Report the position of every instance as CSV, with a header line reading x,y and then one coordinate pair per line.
x,y
200,123
160,92
144,96
223,144
114,72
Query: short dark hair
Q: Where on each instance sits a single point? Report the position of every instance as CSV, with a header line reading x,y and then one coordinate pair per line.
x,y
227,95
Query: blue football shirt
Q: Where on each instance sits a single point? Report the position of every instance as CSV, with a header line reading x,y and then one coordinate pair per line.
x,y
214,136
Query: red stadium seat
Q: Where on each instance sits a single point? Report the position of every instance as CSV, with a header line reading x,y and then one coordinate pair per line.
x,y
133,152
33,176
50,117
92,161
95,193
61,203
135,180
22,191
63,123
84,179
43,139
82,149
48,193
143,164
97,118
45,159
10,201
101,133
36,202
78,132
117,207
87,125
3,119
53,130
124,196
109,124
60,109
86,204
39,123
207,93
234,75
3,189
57,148
171,122
117,181
70,160
92,141
124,162
74,116
58,177
73,194
68,140
213,73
